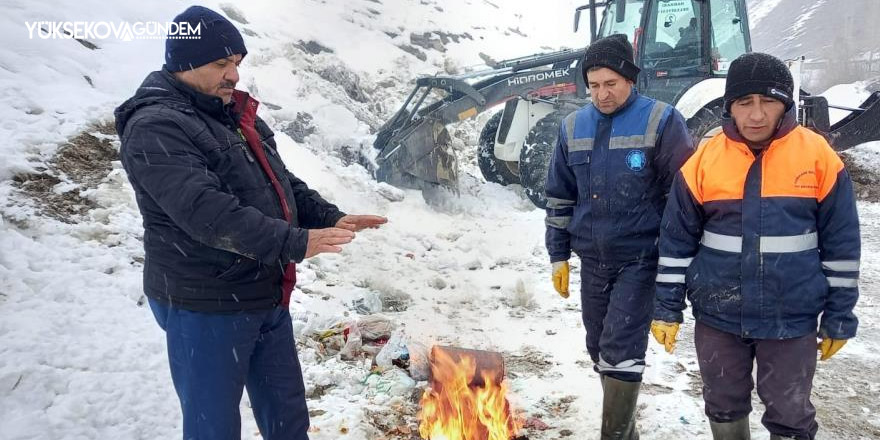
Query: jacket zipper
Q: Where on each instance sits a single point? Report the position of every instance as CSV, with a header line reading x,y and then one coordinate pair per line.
x,y
244,147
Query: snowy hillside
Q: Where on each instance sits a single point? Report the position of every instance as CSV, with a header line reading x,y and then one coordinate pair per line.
x,y
81,356
838,38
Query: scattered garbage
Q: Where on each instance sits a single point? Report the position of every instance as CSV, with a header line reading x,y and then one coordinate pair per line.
x,y
388,299
394,381
353,344
352,339
374,340
331,339
368,303
375,327
394,353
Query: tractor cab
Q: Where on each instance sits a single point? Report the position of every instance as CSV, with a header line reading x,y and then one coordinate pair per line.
x,y
677,43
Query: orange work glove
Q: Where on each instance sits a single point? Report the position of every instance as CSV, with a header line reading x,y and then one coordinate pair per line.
x,y
665,333
830,346
560,278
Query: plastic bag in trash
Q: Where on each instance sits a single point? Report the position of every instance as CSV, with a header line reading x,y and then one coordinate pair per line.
x,y
394,382
394,352
375,327
368,303
353,344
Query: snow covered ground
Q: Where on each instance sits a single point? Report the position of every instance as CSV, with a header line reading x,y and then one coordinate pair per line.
x,y
80,354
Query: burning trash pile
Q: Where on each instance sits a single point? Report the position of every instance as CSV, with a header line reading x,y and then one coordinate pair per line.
x,y
467,397
443,393
465,392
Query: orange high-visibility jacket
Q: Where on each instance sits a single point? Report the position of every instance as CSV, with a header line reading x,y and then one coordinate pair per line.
x,y
762,246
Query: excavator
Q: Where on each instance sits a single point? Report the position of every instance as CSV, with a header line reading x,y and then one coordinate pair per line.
x,y
683,47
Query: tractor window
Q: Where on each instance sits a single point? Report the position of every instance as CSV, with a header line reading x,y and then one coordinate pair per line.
x,y
672,39
626,24
728,36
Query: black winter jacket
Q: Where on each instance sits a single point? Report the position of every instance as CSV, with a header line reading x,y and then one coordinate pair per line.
x,y
215,237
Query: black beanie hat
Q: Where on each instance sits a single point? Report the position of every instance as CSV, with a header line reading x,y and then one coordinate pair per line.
x,y
758,73
614,52
217,38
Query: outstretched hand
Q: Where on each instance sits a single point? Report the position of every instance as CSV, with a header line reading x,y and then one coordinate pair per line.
x,y
357,223
327,240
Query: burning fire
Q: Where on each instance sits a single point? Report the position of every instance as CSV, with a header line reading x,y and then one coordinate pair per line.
x,y
460,406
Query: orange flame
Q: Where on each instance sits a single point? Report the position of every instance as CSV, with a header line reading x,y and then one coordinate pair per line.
x,y
453,409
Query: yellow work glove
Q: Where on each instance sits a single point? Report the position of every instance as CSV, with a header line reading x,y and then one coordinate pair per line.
x,y
665,333
560,278
830,346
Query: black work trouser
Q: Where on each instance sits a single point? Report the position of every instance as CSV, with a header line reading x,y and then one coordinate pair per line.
x,y
784,378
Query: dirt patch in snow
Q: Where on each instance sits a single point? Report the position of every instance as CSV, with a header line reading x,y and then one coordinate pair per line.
x,y
556,406
846,398
866,180
529,362
413,51
80,164
397,421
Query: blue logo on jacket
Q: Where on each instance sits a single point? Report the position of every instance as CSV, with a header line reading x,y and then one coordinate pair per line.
x,y
636,160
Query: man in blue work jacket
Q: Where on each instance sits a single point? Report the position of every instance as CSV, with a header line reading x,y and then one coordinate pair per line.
x,y
606,190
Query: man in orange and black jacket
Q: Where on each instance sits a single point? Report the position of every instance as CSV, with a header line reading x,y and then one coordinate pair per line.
x,y
762,235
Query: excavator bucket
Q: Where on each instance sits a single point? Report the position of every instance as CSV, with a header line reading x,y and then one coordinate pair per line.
x,y
414,145
862,125
421,156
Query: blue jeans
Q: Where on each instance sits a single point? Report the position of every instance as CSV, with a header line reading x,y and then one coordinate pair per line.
x,y
214,356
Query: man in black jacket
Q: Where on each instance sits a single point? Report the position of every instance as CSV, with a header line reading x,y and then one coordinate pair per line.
x,y
224,225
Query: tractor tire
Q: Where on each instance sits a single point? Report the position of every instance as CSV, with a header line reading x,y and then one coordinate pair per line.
x,y
534,159
706,123
494,169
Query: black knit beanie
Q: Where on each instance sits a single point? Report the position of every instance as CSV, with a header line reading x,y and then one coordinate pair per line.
x,y
614,52
216,38
758,73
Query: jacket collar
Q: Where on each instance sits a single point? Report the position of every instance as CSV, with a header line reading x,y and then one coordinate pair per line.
x,y
243,106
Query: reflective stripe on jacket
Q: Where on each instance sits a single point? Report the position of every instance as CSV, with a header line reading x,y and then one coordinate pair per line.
x,y
608,179
762,247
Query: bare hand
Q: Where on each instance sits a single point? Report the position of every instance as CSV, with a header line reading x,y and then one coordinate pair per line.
x,y
357,223
327,241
